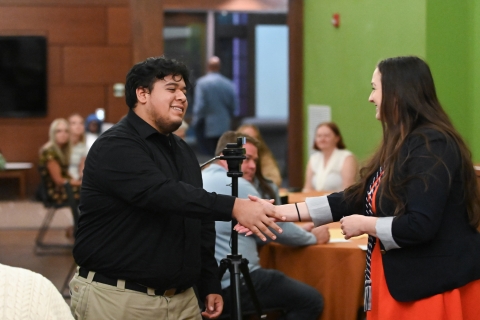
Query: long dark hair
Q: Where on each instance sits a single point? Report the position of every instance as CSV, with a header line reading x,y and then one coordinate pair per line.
x,y
409,101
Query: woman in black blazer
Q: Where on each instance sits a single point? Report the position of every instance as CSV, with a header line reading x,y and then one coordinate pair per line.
x,y
417,199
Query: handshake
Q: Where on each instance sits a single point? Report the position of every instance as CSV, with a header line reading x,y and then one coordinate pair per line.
x,y
256,216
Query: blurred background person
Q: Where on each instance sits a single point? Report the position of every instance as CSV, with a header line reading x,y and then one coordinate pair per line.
x,y
78,151
182,130
268,164
215,103
93,128
54,164
29,295
331,167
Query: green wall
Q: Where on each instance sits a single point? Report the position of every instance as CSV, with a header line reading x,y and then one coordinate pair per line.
x,y
475,86
339,62
450,53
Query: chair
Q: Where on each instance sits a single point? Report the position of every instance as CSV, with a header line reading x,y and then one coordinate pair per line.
x,y
42,247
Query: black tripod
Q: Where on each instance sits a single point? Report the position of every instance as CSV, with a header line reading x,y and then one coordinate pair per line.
x,y
234,155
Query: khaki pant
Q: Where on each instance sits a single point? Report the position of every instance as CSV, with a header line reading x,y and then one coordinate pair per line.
x,y
97,301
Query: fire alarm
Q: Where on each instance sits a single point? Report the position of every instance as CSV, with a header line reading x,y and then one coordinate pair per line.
x,y
336,20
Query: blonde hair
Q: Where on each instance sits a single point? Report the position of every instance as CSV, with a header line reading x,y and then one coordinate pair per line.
x,y
63,152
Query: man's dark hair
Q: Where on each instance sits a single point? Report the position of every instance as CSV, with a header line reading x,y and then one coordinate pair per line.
x,y
144,74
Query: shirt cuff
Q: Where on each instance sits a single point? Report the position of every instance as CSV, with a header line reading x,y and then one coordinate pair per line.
x,y
383,227
319,210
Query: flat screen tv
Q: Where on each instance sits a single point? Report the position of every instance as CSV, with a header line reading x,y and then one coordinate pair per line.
x,y
23,76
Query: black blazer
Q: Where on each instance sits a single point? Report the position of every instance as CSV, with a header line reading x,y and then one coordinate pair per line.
x,y
439,251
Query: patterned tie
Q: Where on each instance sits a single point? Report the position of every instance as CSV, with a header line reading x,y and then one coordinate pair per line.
x,y
367,303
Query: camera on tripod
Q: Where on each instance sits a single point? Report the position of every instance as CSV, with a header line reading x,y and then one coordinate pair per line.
x,y
234,154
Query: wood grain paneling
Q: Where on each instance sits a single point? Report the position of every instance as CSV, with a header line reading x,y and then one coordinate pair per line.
x,y
65,100
147,28
54,72
116,106
96,65
62,25
119,26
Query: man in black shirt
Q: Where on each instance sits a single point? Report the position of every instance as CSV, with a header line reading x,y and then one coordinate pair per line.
x,y
146,234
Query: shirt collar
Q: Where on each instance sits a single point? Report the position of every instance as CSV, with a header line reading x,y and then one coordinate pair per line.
x,y
143,128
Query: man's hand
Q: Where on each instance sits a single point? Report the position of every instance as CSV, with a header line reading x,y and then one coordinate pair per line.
x,y
307,226
322,234
256,215
213,306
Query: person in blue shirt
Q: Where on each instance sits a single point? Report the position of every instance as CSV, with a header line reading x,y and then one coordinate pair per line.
x,y
214,105
271,286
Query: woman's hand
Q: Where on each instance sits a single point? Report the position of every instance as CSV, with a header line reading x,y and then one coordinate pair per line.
x,y
356,225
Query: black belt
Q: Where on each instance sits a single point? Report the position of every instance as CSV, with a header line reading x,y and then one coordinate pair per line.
x,y
129,284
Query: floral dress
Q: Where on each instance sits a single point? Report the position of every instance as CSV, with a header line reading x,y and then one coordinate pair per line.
x,y
56,194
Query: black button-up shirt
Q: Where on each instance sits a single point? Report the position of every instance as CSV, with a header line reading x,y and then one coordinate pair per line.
x,y
144,214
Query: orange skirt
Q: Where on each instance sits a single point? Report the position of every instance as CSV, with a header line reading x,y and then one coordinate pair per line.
x,y
458,304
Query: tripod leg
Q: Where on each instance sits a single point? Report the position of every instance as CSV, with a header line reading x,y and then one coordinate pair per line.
x,y
251,289
232,264
236,312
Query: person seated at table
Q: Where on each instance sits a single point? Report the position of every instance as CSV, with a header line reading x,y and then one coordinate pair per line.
x,y
78,151
270,167
273,289
54,157
331,167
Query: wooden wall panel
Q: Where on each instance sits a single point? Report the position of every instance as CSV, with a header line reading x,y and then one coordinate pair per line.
x,y
54,62
119,26
96,65
63,25
147,28
65,100
116,106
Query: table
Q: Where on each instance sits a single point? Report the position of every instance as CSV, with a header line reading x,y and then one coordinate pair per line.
x,y
300,196
335,269
17,170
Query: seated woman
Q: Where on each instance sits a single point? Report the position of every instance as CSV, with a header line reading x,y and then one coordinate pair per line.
x,y
54,157
331,167
78,151
269,165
